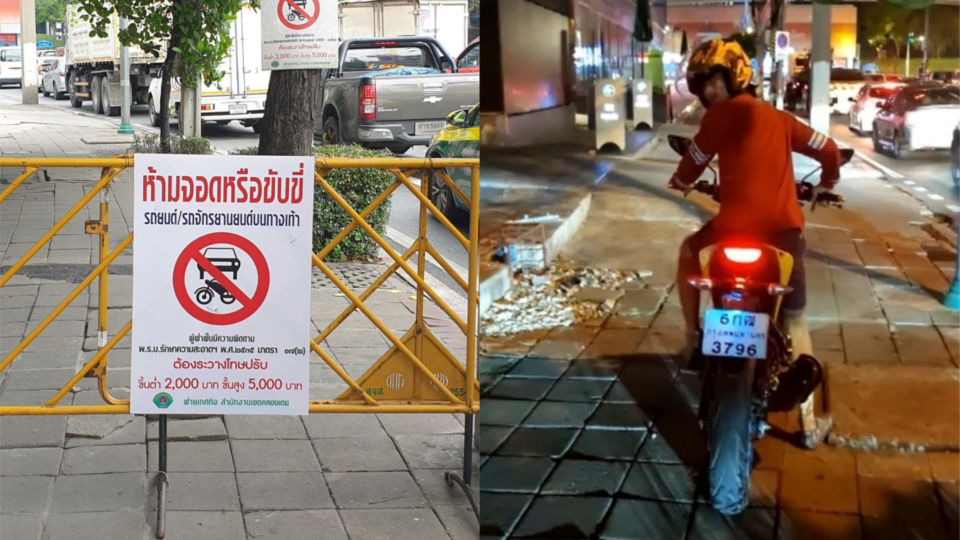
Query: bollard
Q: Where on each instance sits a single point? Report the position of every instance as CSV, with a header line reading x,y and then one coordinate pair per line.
x,y
952,298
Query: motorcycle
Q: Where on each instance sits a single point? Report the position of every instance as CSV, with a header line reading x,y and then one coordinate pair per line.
x,y
747,364
205,294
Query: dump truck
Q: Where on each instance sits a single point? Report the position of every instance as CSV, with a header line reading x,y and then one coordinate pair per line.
x,y
93,66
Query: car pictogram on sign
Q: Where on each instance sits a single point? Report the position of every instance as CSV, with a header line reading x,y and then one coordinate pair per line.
x,y
223,258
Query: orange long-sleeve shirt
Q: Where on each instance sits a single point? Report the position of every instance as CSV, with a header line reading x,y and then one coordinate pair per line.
x,y
753,142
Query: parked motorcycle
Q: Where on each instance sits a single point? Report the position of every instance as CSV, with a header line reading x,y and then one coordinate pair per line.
x,y
748,367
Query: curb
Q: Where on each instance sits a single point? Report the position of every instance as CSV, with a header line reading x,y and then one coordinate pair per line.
x,y
500,281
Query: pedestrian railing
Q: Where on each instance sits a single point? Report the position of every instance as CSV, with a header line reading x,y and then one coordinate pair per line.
x,y
418,374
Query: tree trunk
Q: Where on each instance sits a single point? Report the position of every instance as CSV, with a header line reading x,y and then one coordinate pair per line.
x,y
292,103
168,64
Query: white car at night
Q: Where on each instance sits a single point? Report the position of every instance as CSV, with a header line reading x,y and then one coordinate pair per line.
x,y
864,107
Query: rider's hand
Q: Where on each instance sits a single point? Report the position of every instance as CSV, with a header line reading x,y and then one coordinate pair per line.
x,y
817,190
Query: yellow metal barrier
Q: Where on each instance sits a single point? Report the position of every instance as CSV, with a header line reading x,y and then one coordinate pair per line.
x,y
417,375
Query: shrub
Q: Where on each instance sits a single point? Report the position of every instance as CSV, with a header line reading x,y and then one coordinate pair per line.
x,y
150,144
359,187
245,151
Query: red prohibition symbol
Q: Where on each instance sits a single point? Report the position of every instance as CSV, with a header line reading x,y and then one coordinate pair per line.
x,y
297,17
194,253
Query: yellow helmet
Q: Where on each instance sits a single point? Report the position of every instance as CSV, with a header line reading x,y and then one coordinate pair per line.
x,y
719,56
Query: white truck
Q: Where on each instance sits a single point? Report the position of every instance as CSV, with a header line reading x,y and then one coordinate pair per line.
x,y
365,19
242,92
93,66
444,20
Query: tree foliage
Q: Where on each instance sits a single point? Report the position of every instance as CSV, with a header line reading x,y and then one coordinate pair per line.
x,y
51,11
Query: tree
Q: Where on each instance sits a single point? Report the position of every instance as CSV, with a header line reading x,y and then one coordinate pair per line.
x,y
293,102
196,32
51,11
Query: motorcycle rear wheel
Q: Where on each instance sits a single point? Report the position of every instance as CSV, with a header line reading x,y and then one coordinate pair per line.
x,y
730,443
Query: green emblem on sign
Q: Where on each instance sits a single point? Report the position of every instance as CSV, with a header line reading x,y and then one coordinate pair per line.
x,y
274,63
163,400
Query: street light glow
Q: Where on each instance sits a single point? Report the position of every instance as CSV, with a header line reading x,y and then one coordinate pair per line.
x,y
749,29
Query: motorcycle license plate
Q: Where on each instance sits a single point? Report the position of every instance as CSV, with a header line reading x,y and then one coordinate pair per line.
x,y
731,332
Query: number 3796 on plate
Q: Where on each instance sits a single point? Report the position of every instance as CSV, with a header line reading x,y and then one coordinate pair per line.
x,y
740,334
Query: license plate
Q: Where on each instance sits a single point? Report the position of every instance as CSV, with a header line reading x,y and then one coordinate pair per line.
x,y
730,332
240,108
428,128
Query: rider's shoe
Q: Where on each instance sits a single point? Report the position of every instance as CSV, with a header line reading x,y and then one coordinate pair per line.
x,y
813,438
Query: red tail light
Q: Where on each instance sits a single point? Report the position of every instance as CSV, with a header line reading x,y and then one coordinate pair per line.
x,y
368,101
741,255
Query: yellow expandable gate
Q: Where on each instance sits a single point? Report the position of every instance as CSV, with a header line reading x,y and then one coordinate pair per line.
x,y
417,375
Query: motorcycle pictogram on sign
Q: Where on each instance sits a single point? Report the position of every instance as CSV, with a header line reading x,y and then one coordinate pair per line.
x,y
217,258
298,14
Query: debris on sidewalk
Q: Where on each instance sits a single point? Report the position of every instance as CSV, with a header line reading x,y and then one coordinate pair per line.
x,y
560,296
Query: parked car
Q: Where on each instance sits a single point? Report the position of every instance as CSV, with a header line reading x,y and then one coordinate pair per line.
x,y
917,117
469,59
955,156
946,77
391,93
866,104
844,84
53,83
10,66
460,138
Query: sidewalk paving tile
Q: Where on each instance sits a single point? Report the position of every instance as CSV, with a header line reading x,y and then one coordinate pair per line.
x,y
21,527
499,512
93,525
563,517
646,520
751,524
894,465
431,451
395,524
369,490
105,459
801,525
99,492
607,445
273,456
945,466
31,431
22,494
459,521
206,525
921,346
30,461
193,456
905,497
283,491
337,425
530,389
376,453
819,491
264,427
514,474
899,527
535,442
585,478
275,525
200,491
194,429
422,424
660,482
868,343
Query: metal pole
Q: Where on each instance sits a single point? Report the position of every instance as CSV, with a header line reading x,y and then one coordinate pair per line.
x,y
28,48
820,61
907,68
952,298
926,37
162,482
126,96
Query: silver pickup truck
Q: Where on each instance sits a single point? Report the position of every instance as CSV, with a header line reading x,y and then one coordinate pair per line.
x,y
392,93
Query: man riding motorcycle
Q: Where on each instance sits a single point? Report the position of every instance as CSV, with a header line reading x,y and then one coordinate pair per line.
x,y
753,142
